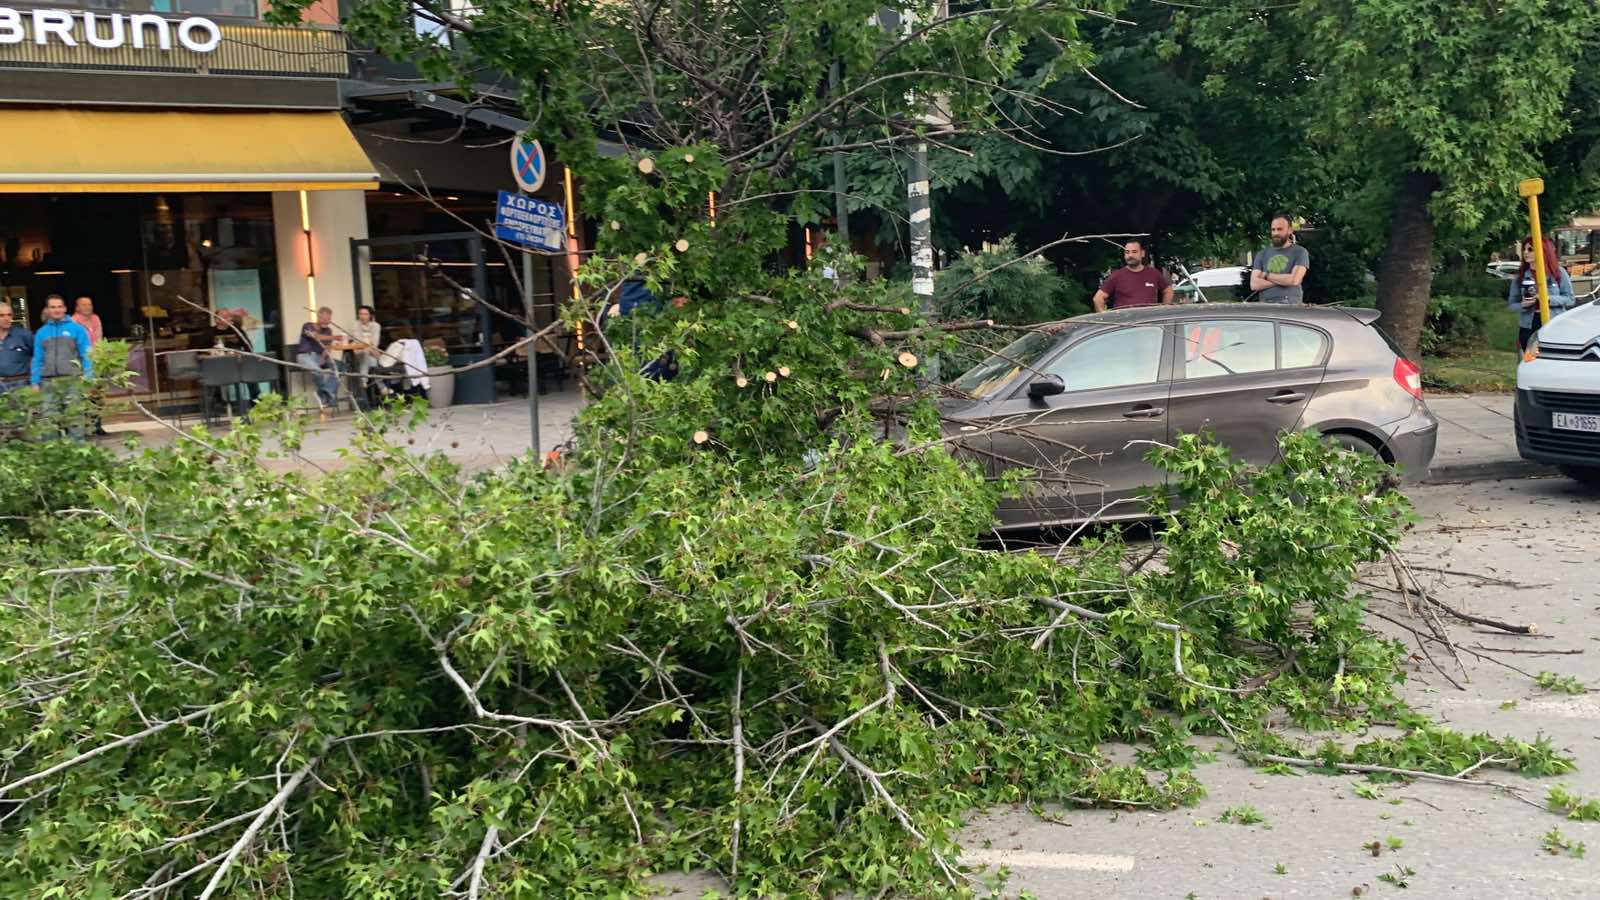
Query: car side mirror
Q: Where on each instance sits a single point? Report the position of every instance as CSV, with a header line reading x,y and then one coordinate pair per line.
x,y
1046,386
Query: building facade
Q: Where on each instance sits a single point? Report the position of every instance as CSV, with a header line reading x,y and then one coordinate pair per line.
x,y
187,157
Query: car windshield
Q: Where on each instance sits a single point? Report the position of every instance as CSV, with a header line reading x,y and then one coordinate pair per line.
x,y
1001,371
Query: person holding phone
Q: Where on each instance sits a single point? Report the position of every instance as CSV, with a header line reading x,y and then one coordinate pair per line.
x,y
1523,294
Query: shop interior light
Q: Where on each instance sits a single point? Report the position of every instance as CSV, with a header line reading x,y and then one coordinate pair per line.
x,y
311,259
452,198
122,271
51,272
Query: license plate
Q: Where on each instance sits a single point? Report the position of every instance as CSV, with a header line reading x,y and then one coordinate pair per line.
x,y
1572,422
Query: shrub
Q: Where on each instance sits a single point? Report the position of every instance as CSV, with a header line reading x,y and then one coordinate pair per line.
x,y
1455,323
992,284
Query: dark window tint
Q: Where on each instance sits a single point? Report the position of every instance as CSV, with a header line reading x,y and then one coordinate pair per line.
x,y
1126,356
1228,347
1301,346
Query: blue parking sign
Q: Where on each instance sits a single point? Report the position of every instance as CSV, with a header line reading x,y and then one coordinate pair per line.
x,y
530,222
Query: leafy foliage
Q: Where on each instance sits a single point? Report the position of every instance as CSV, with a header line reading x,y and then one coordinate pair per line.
x,y
1555,843
1564,684
995,283
1574,807
1241,815
1456,323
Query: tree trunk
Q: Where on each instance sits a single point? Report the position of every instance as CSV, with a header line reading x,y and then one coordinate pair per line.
x,y
1405,274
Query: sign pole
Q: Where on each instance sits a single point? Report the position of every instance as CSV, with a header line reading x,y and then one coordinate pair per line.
x,y
1531,189
533,348
528,167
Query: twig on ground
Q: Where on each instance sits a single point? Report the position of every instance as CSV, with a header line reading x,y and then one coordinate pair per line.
x,y
1390,770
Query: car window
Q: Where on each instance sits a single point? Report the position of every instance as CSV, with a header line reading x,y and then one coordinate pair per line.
x,y
1228,347
1300,346
1115,359
1003,369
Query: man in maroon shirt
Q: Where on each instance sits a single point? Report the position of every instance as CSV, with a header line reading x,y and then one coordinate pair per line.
x,y
1135,284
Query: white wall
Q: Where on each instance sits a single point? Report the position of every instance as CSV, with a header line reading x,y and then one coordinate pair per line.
x,y
336,217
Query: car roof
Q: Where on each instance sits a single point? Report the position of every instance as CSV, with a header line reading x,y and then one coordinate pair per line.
x,y
1183,312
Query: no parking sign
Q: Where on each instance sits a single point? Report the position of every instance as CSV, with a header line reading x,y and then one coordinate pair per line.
x,y
527,163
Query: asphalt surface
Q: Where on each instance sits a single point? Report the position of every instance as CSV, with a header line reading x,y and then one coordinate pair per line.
x,y
1522,551
1542,535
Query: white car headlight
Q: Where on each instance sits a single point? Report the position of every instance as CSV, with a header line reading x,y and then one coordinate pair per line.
x,y
1531,351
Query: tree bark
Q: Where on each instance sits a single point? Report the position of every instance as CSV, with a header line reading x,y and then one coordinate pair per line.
x,y
1405,274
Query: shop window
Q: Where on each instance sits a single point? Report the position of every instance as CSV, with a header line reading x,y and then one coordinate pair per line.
x,y
154,265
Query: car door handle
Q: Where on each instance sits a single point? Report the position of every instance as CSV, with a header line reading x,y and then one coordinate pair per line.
x,y
1144,412
1286,397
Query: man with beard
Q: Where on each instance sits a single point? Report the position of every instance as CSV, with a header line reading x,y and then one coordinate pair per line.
x,y
1135,284
1276,274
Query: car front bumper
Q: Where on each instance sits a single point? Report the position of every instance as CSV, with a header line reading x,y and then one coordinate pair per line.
x,y
1537,437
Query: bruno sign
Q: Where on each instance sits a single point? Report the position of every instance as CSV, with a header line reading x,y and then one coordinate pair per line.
x,y
107,31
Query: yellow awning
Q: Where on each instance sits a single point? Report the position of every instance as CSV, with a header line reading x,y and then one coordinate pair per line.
x,y
50,151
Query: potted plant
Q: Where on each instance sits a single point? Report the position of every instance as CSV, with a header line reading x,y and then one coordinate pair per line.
x,y
441,381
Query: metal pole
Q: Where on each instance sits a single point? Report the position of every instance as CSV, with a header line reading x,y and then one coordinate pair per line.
x,y
840,211
533,348
1538,260
921,217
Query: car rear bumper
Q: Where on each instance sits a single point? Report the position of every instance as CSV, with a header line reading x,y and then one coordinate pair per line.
x,y
1539,440
1411,442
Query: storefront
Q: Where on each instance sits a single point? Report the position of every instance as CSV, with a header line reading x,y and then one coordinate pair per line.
x,y
176,170
169,164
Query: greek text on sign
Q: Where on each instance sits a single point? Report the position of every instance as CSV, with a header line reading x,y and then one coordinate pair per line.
x,y
527,163
530,222
107,31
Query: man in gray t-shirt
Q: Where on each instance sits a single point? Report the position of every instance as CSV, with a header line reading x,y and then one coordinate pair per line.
x,y
1276,274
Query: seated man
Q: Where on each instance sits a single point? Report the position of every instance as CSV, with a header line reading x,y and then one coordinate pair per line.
x,y
312,354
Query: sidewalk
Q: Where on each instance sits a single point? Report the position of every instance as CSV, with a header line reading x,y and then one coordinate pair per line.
x,y
477,437
1477,440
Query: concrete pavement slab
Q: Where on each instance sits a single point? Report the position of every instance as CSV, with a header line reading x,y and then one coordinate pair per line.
x,y
1477,439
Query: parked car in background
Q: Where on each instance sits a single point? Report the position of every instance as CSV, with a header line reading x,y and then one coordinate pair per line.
x,y
1504,269
1081,403
1558,395
1211,285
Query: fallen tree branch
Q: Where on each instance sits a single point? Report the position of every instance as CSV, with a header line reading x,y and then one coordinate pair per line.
x,y
107,748
249,836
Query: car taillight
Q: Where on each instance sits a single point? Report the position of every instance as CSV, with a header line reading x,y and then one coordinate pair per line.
x,y
1408,376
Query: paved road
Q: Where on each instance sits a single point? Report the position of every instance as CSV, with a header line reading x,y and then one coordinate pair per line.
x,y
1466,842
1460,841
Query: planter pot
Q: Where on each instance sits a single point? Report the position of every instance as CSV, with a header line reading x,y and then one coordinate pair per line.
x,y
441,387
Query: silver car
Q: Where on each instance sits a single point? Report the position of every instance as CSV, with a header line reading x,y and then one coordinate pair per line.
x,y
1081,402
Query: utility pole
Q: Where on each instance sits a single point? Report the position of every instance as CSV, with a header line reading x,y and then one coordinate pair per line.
x,y
841,212
919,203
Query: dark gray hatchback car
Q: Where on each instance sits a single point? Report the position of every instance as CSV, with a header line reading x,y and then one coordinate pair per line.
x,y
1081,402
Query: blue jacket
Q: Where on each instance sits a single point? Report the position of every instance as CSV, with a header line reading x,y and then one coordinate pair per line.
x,y
60,349
16,352
1560,292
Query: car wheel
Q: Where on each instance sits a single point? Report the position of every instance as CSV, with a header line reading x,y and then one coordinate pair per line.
x,y
1389,480
1355,445
1586,475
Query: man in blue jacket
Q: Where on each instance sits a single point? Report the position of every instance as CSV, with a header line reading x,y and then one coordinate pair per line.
x,y
60,363
16,351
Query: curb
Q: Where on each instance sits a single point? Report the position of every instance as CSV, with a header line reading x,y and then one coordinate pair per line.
x,y
1491,470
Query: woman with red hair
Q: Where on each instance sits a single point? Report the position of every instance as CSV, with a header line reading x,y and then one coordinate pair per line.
x,y
1524,293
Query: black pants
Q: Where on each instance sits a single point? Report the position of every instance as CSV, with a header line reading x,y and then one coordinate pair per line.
x,y
1524,335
